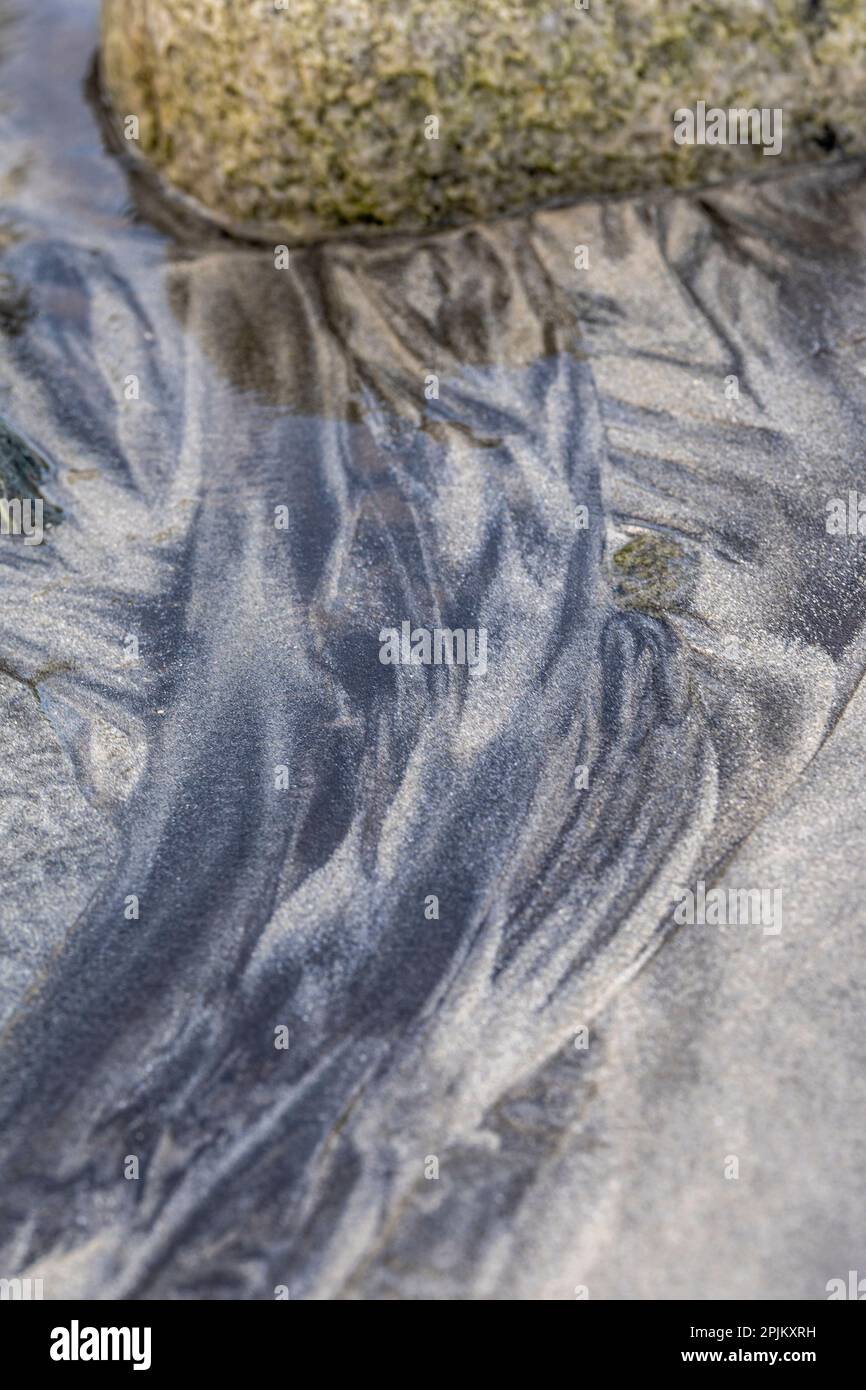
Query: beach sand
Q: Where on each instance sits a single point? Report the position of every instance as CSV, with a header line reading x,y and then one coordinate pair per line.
x,y
708,680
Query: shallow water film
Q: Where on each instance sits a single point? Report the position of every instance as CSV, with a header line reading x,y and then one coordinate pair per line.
x,y
432,739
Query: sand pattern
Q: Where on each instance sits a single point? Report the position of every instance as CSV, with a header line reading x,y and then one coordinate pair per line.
x,y
195,719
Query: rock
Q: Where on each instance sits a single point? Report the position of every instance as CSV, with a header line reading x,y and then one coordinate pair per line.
x,y
299,118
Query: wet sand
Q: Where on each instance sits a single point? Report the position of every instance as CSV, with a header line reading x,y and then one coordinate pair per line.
x,y
714,700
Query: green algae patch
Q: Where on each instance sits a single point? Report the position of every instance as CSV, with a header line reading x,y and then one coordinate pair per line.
x,y
649,573
311,116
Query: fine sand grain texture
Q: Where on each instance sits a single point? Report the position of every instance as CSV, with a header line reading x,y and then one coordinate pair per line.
x,y
697,647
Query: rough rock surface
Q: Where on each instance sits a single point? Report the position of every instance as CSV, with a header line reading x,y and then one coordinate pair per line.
x,y
305,119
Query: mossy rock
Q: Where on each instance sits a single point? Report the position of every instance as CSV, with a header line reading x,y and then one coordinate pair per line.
x,y
650,573
299,118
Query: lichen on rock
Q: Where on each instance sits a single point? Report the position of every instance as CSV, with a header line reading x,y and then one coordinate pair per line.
x,y
379,114
649,573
